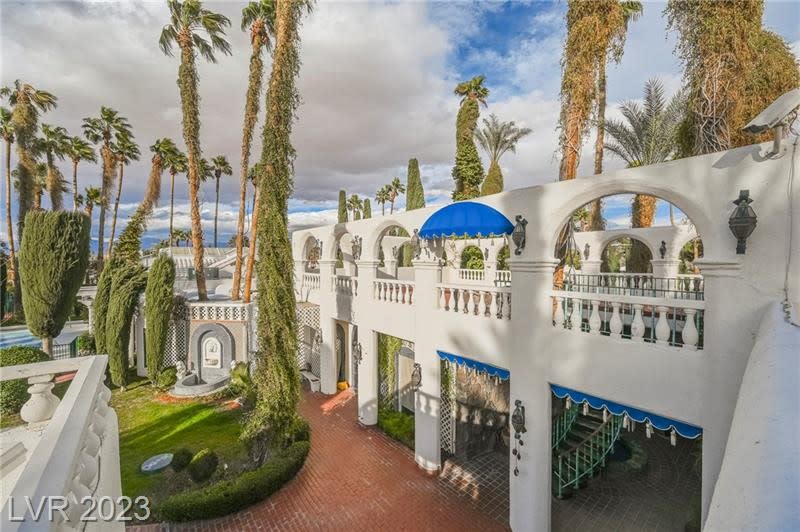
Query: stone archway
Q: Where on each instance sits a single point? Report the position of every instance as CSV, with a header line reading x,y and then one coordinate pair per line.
x,y
211,350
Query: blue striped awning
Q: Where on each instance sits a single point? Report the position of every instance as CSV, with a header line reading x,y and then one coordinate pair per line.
x,y
640,416
493,371
466,218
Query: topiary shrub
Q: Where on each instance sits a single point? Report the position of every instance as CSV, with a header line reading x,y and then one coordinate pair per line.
x,y
159,300
101,299
181,459
53,258
228,496
397,425
127,283
13,394
86,345
167,378
203,465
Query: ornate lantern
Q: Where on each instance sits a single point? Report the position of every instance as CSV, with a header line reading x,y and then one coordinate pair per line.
x,y
518,423
518,235
318,338
663,249
416,377
586,250
416,246
356,248
743,220
357,350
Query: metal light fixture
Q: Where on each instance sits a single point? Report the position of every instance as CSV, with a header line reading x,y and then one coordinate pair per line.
x,y
416,377
518,423
318,338
586,250
743,221
357,247
357,351
663,249
416,246
518,235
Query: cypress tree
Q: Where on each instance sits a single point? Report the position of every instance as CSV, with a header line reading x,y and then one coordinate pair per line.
x,y
468,170
128,281
367,209
53,259
494,180
415,196
159,299
101,299
342,207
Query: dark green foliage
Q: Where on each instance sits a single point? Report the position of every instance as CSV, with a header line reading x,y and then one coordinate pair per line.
x,y
242,385
388,346
203,465
472,258
166,379
101,299
342,207
502,258
415,195
128,281
181,459
159,300
494,180
53,259
86,345
129,245
468,170
367,209
398,425
13,394
228,496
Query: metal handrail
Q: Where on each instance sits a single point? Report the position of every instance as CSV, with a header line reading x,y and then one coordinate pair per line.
x,y
593,449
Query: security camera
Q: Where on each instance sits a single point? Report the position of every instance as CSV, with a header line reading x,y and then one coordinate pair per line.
x,y
777,117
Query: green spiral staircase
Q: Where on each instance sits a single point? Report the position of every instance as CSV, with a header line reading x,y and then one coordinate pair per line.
x,y
581,445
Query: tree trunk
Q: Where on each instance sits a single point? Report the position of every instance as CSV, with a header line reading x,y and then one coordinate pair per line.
x,y
108,180
116,208
171,206
601,115
12,255
216,213
75,185
251,254
47,346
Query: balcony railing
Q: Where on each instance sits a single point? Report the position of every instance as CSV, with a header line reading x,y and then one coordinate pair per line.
x,y
637,284
344,285
501,277
76,446
664,321
311,281
394,291
490,302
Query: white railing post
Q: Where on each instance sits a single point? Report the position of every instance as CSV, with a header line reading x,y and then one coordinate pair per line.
x,y
662,327
637,325
42,403
615,323
594,318
559,315
689,334
576,317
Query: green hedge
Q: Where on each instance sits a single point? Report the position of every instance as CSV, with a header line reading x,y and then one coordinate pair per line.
x,y
180,459
127,282
398,425
13,394
159,300
167,378
203,465
228,496
86,345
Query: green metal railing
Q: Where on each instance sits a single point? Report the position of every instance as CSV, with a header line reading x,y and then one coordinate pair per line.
x,y
581,461
562,423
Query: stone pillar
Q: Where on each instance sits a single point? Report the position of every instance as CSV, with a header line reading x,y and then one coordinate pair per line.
x,y
590,267
299,270
532,313
368,369
665,267
327,307
426,417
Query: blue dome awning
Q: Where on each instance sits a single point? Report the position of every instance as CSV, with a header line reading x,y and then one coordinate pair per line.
x,y
466,218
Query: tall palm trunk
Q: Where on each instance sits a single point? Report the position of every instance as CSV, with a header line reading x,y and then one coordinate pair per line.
x,y
116,209
383,209
216,213
54,184
12,254
250,119
187,80
251,254
596,222
74,184
105,193
171,205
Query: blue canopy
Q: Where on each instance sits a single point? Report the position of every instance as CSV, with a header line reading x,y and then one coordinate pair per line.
x,y
466,218
640,416
493,371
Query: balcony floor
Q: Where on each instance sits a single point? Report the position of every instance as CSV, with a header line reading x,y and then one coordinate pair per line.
x,y
14,462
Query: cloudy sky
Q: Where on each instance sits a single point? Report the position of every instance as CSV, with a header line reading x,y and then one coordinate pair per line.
x,y
376,85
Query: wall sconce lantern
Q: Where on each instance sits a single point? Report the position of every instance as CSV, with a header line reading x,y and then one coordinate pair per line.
x,y
586,250
518,235
743,221
416,245
416,377
357,351
663,249
318,338
518,423
357,247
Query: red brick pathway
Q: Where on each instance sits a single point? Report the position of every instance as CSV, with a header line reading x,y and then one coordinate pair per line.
x,y
354,478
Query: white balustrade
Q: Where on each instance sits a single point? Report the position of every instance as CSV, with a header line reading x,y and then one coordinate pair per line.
x,y
663,321
218,310
471,275
77,451
344,285
394,291
637,284
502,277
311,281
490,302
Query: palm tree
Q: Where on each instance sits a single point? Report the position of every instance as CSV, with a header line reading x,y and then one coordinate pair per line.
x,y
125,151
472,89
78,150
176,164
394,189
259,17
92,196
27,103
354,204
7,131
188,20
220,166
39,184
381,197
468,169
52,144
496,138
255,171
97,130
163,150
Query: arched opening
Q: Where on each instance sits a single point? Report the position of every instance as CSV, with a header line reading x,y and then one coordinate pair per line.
x,y
626,255
311,255
472,258
394,253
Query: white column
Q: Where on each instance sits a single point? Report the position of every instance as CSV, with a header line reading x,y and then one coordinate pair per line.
x,y
327,308
590,266
426,417
368,369
665,267
530,490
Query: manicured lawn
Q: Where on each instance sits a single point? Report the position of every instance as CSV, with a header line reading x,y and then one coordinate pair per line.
x,y
150,424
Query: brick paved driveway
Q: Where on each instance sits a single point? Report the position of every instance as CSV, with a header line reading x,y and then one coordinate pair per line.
x,y
355,478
